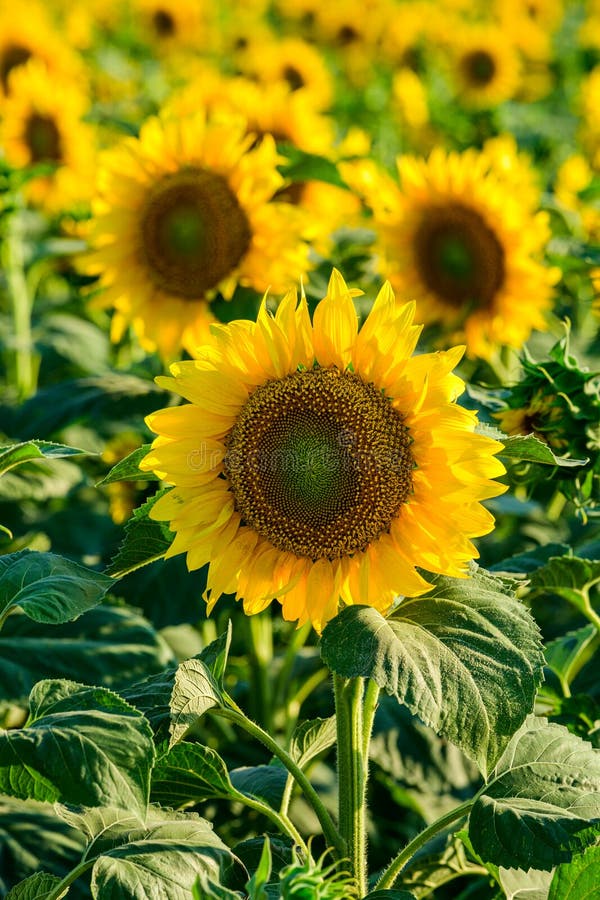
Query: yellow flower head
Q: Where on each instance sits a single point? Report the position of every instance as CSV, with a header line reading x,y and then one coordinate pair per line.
x,y
26,33
458,237
185,212
316,463
42,123
485,66
295,62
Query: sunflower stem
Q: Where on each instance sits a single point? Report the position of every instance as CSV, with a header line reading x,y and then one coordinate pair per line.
x,y
261,661
352,770
389,876
235,714
25,363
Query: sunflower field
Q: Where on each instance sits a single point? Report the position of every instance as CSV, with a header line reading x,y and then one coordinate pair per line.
x,y
300,450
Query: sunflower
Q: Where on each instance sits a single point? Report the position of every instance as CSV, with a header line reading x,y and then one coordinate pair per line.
x,y
485,66
185,212
456,237
168,24
316,463
42,123
294,61
26,33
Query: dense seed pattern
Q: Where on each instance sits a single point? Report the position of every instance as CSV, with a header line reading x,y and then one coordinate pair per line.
x,y
459,257
193,232
319,463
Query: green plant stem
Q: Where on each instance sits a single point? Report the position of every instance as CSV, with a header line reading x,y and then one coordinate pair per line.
x,y
330,832
261,660
5,614
352,771
280,820
25,364
68,880
293,645
388,878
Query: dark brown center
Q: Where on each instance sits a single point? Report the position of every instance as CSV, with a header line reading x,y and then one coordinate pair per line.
x,y
459,258
478,68
14,55
43,139
319,463
293,77
193,232
164,23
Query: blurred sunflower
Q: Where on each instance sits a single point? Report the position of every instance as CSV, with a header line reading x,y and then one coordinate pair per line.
x,y
168,24
295,62
316,462
485,66
185,212
42,123
27,33
455,237
590,126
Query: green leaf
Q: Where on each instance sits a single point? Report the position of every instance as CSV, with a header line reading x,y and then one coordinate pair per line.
x,y
17,454
145,540
567,655
81,745
529,885
568,577
152,696
311,738
32,839
579,878
539,801
301,166
466,659
255,886
37,887
529,448
113,646
390,894
161,860
49,588
207,889
127,469
190,773
265,783
113,396
195,691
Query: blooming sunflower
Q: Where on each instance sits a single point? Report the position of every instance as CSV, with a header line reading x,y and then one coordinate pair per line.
x,y
185,212
42,123
485,66
26,33
456,237
292,60
171,23
316,463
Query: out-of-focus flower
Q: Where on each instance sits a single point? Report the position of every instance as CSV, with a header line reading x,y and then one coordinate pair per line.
x,y
456,236
295,62
484,66
182,213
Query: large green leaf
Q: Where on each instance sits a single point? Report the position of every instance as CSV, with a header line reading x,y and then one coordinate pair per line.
x,y
27,451
161,860
520,885
190,773
145,540
159,855
49,588
195,691
539,801
266,783
578,879
466,659
33,838
113,396
112,646
567,655
81,745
